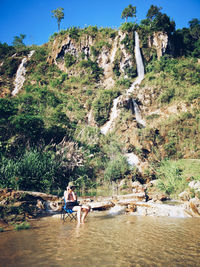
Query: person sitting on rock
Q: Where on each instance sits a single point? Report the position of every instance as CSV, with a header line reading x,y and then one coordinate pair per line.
x,y
72,203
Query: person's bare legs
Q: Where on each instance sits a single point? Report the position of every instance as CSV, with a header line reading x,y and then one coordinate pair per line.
x,y
78,209
85,210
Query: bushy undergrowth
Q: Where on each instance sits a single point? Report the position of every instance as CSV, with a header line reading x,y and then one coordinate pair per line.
x,y
102,105
76,32
53,106
170,178
173,176
175,78
116,169
32,171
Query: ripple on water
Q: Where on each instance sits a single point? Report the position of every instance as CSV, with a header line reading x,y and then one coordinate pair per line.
x,y
105,240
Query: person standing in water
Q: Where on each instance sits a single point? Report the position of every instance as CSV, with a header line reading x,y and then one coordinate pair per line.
x,y
72,203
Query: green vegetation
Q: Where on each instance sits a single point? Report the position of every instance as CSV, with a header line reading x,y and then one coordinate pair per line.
x,y
69,60
173,176
116,169
44,137
22,226
177,79
102,105
129,12
18,41
59,15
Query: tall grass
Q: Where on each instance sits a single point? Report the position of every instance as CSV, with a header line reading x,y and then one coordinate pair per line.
x,y
170,178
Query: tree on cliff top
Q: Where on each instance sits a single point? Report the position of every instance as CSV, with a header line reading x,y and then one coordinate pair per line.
x,y
59,15
159,21
129,12
18,40
153,12
195,28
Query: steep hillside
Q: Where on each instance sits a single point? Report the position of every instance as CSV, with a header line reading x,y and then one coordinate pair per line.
x,y
53,121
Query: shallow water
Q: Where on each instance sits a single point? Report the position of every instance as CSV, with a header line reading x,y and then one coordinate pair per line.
x,y
104,240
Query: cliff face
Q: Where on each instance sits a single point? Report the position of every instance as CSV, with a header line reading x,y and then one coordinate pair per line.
x,y
109,53
113,54
159,41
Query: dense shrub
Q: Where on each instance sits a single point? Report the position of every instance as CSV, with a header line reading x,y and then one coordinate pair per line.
x,y
69,60
74,33
40,54
167,95
93,69
102,105
6,50
116,168
170,179
91,30
28,125
10,67
33,171
129,27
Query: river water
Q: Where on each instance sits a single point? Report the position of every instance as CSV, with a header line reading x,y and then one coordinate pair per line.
x,y
104,240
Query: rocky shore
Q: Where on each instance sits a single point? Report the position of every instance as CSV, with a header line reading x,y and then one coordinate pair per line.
x,y
18,206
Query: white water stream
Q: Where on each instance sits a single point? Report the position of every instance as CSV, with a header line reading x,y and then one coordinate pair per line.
x,y
115,111
20,75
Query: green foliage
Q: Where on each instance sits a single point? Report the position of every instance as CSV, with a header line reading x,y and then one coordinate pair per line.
x,y
18,41
92,68
84,182
41,54
59,15
32,171
29,125
170,178
22,226
116,68
159,21
6,50
186,40
126,83
129,42
102,105
167,95
91,30
69,60
128,27
184,69
94,51
116,168
129,12
74,33
101,44
1,230
8,108
153,12
9,67
195,28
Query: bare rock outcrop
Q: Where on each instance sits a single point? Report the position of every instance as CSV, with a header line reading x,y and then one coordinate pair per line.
x,y
111,52
159,41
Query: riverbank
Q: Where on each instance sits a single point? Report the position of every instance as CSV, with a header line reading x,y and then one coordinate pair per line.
x,y
19,206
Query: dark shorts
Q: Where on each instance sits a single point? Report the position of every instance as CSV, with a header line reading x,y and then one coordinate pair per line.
x,y
70,205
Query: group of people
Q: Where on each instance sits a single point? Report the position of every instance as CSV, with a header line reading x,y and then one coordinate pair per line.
x,y
72,203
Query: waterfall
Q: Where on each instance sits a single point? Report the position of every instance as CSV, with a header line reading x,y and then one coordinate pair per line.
x,y
138,114
114,114
115,111
20,75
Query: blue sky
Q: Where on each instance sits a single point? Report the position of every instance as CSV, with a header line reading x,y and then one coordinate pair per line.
x,y
34,18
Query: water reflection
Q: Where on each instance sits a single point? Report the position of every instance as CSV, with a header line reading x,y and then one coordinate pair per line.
x,y
104,240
